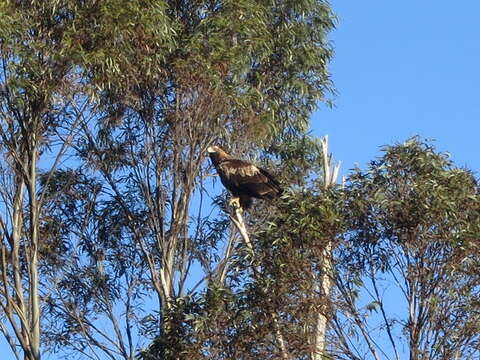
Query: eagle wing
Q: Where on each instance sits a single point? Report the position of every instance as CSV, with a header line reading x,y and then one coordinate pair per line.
x,y
242,177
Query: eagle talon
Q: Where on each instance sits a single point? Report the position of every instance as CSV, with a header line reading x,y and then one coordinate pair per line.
x,y
235,203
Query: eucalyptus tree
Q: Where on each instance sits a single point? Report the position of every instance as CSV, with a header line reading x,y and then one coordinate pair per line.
x,y
167,79
272,299
401,270
407,283
39,114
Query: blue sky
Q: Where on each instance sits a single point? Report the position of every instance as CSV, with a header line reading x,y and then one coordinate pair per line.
x,y
404,68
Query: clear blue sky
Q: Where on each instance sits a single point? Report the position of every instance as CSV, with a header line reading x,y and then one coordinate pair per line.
x,y
404,68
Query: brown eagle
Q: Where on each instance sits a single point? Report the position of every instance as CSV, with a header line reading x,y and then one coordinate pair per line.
x,y
243,179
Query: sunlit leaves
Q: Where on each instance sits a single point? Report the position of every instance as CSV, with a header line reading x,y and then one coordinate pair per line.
x,y
138,90
412,223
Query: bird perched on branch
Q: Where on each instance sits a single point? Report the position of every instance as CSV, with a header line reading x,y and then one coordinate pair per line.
x,y
243,179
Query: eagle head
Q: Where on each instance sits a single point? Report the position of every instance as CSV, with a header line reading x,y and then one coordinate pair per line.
x,y
212,149
217,151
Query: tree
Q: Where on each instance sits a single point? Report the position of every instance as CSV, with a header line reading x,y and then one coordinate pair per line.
x,y
408,222
269,302
413,221
181,76
39,113
109,240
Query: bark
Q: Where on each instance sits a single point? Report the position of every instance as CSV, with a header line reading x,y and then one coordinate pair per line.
x,y
33,259
320,330
319,336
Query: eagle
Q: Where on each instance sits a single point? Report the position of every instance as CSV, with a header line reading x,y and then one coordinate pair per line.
x,y
243,179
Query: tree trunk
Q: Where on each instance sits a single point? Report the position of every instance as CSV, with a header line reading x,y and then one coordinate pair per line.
x,y
33,259
330,174
321,323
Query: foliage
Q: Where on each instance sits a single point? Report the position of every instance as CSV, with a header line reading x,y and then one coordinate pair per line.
x,y
111,237
113,103
406,227
268,305
413,225
38,114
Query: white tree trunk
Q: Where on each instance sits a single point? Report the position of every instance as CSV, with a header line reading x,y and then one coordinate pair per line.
x,y
330,174
33,260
